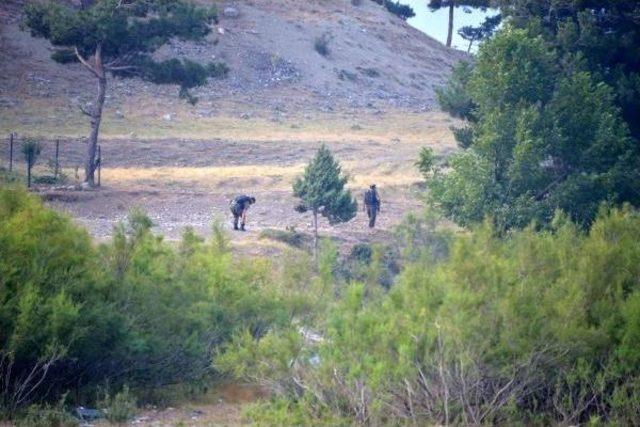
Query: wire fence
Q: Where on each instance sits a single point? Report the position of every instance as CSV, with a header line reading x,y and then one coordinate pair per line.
x,y
60,160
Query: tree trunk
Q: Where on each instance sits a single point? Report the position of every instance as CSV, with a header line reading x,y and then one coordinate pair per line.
x,y
470,44
92,144
315,235
450,33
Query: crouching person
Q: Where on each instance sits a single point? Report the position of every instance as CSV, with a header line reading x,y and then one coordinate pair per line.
x,y
239,207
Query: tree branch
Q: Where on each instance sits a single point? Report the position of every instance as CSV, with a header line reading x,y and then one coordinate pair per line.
x,y
84,62
85,111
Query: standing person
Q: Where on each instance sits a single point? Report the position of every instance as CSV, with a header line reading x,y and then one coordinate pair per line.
x,y
372,204
239,207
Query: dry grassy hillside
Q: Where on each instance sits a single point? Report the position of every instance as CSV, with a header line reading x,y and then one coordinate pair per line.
x,y
376,62
371,99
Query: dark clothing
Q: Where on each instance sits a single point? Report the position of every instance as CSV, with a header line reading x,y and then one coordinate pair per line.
x,y
372,212
371,198
238,207
240,204
372,205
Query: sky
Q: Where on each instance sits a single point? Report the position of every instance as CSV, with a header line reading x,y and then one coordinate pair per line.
x,y
436,23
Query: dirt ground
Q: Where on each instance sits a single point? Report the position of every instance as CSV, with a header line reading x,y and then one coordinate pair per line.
x,y
181,183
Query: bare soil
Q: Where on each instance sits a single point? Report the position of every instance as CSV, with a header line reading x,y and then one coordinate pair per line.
x,y
189,183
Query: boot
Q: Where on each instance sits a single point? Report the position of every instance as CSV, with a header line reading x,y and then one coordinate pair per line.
x,y
242,227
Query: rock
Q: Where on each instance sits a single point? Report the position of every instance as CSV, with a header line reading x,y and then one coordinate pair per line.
x,y
245,116
87,414
231,12
119,114
168,117
221,31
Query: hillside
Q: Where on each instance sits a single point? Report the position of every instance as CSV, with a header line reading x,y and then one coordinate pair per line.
x,y
375,62
371,100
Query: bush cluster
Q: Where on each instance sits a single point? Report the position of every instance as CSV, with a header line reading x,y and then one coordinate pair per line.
x,y
136,310
539,327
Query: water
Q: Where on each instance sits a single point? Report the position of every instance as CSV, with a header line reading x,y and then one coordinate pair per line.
x,y
435,24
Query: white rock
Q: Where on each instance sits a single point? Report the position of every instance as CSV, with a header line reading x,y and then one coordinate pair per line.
x,y
231,12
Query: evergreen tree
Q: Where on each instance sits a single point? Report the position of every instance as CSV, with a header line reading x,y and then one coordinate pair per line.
x,y
602,37
321,190
541,138
120,37
452,4
482,31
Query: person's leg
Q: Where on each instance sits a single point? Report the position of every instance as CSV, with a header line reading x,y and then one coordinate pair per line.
x,y
370,214
235,221
244,219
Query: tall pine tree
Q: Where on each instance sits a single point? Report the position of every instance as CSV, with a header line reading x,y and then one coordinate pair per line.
x,y
451,5
321,191
119,37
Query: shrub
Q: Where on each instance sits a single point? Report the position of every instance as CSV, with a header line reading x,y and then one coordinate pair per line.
x,y
135,310
47,415
289,236
121,407
321,45
402,11
534,328
426,161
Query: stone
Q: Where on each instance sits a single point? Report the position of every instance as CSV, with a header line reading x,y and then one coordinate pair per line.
x,y
231,12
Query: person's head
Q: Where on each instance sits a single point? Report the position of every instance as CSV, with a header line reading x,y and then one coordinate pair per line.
x,y
372,186
252,200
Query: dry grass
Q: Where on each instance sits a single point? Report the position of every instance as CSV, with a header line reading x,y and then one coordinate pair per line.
x,y
51,118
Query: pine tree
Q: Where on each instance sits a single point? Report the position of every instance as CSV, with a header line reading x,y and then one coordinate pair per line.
x,y
119,37
452,4
321,190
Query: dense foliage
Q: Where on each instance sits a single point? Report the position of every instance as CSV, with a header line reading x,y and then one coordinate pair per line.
x,y
540,328
546,131
137,311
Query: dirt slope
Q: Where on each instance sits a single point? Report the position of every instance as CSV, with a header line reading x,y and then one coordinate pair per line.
x,y
375,62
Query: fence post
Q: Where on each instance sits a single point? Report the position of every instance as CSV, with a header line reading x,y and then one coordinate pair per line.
x,y
29,161
11,151
99,164
57,169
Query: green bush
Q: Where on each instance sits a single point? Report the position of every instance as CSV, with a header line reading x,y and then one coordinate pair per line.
x,y
537,327
121,407
400,10
47,415
135,310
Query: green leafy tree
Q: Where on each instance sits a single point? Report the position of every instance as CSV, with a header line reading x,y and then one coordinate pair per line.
x,y
451,5
322,191
541,138
119,37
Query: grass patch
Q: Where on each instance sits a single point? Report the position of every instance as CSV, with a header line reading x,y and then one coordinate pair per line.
x,y
289,236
